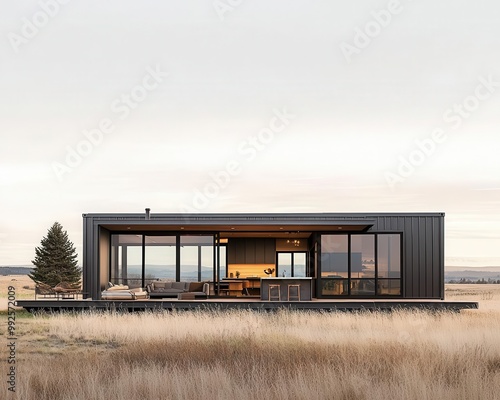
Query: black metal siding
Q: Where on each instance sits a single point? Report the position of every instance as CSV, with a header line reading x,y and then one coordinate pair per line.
x,y
422,252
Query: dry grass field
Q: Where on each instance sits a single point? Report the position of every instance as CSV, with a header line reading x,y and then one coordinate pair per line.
x,y
250,355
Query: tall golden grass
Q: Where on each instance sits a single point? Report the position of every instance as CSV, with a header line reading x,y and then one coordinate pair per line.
x,y
255,355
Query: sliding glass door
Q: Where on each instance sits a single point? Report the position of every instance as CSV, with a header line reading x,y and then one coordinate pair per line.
x,y
196,258
159,258
126,260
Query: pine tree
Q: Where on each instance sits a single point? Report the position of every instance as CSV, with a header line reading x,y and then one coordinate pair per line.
x,y
56,259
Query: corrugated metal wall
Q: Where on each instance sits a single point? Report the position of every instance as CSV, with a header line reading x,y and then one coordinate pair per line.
x,y
423,252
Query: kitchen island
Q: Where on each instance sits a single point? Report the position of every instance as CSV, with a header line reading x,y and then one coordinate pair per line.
x,y
305,284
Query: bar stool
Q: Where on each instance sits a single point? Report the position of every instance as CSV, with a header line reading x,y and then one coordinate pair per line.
x,y
276,296
296,290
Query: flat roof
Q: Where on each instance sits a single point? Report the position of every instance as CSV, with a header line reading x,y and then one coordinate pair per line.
x,y
243,222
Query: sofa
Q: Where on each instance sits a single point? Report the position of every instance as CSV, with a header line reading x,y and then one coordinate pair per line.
x,y
122,292
173,289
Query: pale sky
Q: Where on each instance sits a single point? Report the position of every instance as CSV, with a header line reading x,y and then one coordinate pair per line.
x,y
267,106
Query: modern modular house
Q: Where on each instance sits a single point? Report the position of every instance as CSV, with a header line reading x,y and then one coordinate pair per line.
x,y
345,255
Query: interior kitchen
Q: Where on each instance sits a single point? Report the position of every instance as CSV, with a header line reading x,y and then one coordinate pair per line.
x,y
254,261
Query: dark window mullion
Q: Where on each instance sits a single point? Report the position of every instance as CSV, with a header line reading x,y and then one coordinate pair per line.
x,y
178,258
377,290
216,257
349,265
143,280
401,264
199,263
319,279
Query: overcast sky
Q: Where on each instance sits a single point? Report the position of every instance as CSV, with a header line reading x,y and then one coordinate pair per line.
x,y
250,106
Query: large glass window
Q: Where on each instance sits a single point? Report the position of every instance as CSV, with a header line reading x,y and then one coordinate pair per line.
x,y
207,263
126,260
334,250
360,265
299,264
291,264
197,258
284,264
160,258
389,264
223,261
334,265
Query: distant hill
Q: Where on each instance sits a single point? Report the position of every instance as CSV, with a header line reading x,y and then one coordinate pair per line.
x,y
471,273
15,270
487,269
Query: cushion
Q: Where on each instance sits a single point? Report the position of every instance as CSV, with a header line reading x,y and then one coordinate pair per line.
x,y
178,285
117,295
118,287
173,290
196,286
161,285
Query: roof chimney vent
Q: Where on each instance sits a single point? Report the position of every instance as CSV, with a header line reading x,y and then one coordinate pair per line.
x,y
148,215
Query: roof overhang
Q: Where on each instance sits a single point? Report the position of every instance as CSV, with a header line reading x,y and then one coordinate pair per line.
x,y
234,223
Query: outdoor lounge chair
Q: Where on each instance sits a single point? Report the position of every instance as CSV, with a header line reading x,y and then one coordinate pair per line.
x,y
67,290
42,289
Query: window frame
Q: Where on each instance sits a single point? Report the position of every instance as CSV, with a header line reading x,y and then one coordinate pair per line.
x,y
347,282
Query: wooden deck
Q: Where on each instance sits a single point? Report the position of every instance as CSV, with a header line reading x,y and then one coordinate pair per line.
x,y
244,303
